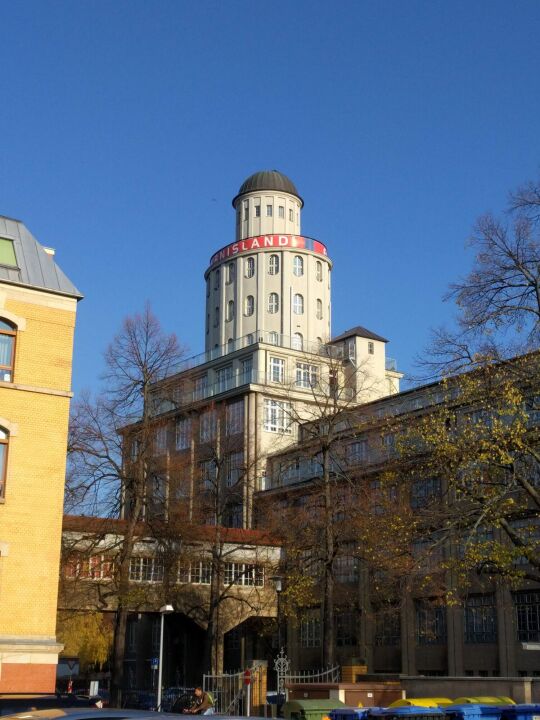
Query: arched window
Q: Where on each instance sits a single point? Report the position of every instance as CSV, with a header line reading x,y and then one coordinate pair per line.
x,y
249,305
273,265
273,303
298,341
273,338
230,310
230,345
319,309
298,265
8,331
216,316
216,279
250,267
298,304
318,270
230,273
250,339
4,438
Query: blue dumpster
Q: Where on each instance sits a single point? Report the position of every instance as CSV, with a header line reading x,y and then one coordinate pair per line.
x,y
521,712
350,713
407,712
474,711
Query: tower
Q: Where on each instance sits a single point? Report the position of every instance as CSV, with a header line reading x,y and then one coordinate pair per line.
x,y
273,283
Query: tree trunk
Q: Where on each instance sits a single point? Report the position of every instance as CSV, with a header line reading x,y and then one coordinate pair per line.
x,y
328,644
119,648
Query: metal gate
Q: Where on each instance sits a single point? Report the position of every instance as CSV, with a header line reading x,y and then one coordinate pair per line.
x,y
229,691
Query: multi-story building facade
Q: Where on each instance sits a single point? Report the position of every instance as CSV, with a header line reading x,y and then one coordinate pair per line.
x,y
269,356
37,322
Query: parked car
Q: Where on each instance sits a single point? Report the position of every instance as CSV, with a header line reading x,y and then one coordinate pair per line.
x,y
11,703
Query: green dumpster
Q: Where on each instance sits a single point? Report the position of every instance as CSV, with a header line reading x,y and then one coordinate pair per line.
x,y
317,709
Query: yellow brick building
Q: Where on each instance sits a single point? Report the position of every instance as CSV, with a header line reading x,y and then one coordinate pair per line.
x,y
37,322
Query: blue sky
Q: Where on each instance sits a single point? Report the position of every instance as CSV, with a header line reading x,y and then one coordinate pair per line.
x,y
127,127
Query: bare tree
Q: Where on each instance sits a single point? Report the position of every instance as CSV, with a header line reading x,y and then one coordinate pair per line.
x,y
112,448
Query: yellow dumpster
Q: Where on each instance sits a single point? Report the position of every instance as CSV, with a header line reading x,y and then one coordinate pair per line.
x,y
422,702
485,700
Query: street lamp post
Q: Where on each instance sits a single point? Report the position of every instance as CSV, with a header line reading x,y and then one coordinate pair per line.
x,y
278,585
165,610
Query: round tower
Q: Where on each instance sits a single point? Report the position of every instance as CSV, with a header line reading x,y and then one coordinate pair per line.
x,y
272,284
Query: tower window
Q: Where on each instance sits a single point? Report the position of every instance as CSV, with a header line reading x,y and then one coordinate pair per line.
x,y
291,215
216,316
298,265
257,211
273,265
249,307
246,210
298,341
7,350
268,211
371,348
318,270
319,309
230,310
281,211
230,272
273,338
273,303
216,280
250,267
298,304
4,439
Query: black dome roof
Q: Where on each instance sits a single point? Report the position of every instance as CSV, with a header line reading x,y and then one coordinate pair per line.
x,y
268,180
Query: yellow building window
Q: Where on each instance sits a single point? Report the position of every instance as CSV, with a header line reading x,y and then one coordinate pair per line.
x,y
4,438
8,333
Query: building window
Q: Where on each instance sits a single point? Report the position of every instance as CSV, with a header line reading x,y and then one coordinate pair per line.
x,y
246,210
208,426
216,280
480,619
160,440
273,265
291,214
230,273
7,350
234,422
247,369
424,491
319,309
208,470
273,338
298,265
234,468
371,348
230,310
4,439
277,370
527,604
268,211
216,316
277,416
249,305
201,387
198,572
356,452
307,376
281,211
224,378
345,564
183,433
257,211
430,623
7,253
250,339
273,303
146,569
243,574
208,287
318,270
387,628
298,304
297,341
249,268
310,632
346,631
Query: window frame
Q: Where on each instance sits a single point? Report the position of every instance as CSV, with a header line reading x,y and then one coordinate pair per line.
x,y
4,442
249,267
9,331
273,264
249,305
298,266
273,303
298,304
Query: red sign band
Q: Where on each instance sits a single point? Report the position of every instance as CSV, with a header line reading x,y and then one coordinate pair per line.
x,y
268,241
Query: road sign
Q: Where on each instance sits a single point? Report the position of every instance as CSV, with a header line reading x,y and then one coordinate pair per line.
x,y
154,663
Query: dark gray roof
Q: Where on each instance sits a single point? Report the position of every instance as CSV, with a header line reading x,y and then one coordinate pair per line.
x,y
36,268
361,332
268,180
